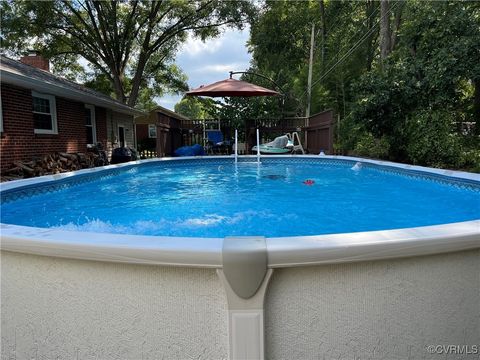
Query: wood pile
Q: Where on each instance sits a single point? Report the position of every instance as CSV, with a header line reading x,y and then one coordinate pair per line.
x,y
55,163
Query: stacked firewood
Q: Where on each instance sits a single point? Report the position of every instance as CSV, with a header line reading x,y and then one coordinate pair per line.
x,y
55,163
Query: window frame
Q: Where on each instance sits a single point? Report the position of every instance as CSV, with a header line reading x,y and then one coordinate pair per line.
x,y
94,123
53,113
153,126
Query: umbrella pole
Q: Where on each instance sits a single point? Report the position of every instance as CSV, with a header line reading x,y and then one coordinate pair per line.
x,y
258,146
236,146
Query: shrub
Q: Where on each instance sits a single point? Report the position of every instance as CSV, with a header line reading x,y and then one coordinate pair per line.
x,y
369,146
431,139
470,160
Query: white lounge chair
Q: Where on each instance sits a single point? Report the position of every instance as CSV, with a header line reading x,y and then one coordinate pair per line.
x,y
282,145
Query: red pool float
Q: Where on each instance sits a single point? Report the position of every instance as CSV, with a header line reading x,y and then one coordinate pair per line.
x,y
309,182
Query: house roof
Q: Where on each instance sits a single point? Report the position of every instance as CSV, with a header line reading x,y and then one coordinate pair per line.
x,y
17,73
151,117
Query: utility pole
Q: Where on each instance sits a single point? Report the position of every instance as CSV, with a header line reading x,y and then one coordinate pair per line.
x,y
310,70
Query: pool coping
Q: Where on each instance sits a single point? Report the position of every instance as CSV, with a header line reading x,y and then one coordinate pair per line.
x,y
207,252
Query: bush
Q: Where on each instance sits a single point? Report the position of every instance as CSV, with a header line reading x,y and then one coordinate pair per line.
x,y
347,133
432,140
470,160
369,146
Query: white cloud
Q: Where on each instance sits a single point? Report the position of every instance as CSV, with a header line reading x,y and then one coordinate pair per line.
x,y
194,47
210,61
168,101
222,68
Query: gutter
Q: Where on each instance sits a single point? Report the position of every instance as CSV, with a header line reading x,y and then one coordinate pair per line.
x,y
66,92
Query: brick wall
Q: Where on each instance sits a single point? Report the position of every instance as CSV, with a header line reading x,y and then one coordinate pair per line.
x,y
101,124
18,140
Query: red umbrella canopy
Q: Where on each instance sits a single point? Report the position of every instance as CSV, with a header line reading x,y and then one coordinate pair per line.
x,y
231,87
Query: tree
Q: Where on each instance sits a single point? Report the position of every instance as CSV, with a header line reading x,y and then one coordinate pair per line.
x,y
323,31
395,71
385,34
130,43
423,100
280,44
346,45
197,108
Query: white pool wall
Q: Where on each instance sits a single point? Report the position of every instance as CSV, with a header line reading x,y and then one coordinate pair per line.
x,y
392,309
54,308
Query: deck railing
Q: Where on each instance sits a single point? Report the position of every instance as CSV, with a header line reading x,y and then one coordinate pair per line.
x,y
190,132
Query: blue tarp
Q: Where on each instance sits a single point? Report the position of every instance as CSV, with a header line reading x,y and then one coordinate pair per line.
x,y
194,150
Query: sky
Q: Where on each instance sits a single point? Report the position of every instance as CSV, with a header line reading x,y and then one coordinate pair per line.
x,y
210,61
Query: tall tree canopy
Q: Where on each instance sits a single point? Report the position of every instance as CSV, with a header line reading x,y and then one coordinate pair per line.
x,y
396,72
129,44
197,107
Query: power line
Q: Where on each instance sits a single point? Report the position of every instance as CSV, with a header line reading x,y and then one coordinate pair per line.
x,y
351,50
339,24
354,35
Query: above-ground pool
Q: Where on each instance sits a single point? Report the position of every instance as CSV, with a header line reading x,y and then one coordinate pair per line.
x,y
299,257
216,198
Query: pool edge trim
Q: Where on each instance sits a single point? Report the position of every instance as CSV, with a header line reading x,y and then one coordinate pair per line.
x,y
207,252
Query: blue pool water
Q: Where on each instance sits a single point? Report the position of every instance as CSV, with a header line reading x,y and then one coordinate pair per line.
x,y
217,200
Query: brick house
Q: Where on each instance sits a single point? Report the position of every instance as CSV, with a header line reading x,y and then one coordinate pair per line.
x,y
41,113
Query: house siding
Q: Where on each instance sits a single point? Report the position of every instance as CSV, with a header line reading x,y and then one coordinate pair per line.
x,y
143,141
115,119
142,131
19,142
166,141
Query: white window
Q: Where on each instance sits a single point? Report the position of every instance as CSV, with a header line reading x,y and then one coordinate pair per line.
x,y
44,114
152,130
90,124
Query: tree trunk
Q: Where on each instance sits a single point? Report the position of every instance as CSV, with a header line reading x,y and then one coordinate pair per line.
x,y
323,32
385,35
396,24
118,87
137,80
370,9
476,105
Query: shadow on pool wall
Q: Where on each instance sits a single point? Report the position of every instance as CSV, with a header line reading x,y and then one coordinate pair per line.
x,y
375,295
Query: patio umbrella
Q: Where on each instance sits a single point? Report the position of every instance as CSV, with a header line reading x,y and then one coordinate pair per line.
x,y
231,87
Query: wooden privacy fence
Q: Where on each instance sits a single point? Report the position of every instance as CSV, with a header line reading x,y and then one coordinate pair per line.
x,y
271,128
319,133
315,132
